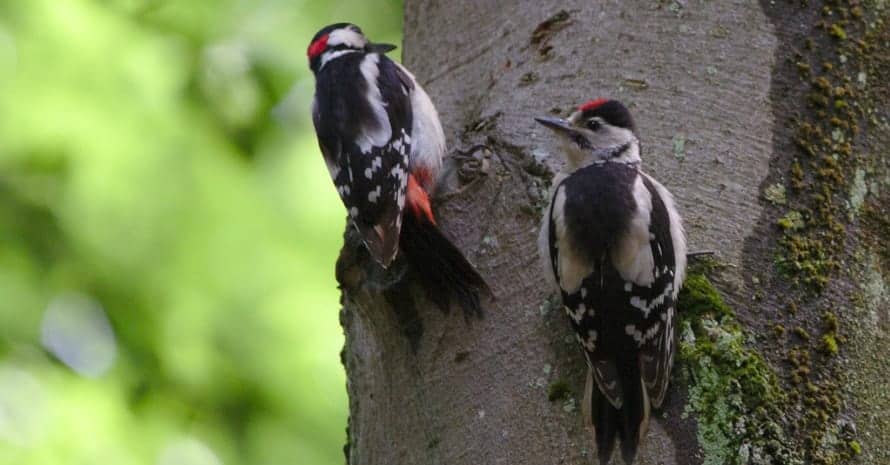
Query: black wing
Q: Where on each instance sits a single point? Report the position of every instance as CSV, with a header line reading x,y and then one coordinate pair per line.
x,y
657,354
366,145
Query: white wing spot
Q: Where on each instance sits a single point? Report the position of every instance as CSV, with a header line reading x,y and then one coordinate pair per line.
x,y
374,195
578,313
647,307
632,331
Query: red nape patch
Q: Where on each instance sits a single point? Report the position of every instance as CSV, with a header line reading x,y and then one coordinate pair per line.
x,y
316,48
419,200
593,104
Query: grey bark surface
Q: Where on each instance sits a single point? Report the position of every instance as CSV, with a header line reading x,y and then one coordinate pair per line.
x,y
700,78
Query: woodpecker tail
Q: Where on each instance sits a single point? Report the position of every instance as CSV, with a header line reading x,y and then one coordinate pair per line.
x,y
628,422
444,272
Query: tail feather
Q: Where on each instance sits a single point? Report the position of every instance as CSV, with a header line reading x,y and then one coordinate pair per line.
x,y
628,422
444,272
605,423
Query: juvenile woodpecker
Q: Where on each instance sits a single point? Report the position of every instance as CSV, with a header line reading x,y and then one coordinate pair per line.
x,y
613,242
383,144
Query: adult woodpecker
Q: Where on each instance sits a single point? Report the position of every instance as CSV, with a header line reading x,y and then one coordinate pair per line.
x,y
383,144
613,242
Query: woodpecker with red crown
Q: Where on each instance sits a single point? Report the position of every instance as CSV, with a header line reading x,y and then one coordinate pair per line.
x,y
612,241
383,144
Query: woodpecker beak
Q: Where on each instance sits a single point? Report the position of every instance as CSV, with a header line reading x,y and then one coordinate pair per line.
x,y
380,48
556,124
565,129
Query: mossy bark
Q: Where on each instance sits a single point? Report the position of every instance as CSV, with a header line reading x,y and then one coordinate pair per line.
x,y
742,108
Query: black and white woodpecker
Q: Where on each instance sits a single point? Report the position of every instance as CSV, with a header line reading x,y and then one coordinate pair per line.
x,y
613,242
383,144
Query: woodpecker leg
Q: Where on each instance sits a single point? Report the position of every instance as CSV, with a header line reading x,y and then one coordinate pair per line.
x,y
700,254
469,151
469,165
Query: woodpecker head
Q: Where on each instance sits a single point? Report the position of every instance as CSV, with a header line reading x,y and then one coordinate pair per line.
x,y
339,39
599,131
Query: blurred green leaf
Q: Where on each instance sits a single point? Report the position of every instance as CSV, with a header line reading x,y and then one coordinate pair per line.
x,y
157,158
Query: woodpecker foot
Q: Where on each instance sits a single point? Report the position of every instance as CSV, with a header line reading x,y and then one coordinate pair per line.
x,y
464,167
469,151
701,254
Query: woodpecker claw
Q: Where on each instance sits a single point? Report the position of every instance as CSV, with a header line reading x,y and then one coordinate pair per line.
x,y
701,254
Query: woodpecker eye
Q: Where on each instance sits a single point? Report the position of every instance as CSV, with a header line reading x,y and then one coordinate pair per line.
x,y
594,124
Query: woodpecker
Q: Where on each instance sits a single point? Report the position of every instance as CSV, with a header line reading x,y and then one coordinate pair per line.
x,y
612,241
383,144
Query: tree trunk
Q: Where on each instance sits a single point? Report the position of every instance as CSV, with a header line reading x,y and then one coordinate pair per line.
x,y
778,164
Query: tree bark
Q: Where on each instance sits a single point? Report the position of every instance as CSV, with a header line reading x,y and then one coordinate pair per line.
x,y
719,91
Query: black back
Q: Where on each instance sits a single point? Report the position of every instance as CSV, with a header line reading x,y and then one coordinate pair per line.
x,y
341,114
598,206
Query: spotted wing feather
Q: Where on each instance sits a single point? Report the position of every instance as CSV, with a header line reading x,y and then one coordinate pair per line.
x,y
369,166
657,354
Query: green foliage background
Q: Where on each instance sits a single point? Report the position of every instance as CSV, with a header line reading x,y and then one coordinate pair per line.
x,y
157,158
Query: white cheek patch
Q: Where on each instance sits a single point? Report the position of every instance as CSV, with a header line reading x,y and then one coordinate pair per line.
x,y
380,131
575,156
633,256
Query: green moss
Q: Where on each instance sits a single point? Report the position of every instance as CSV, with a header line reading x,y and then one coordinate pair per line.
x,y
699,297
855,447
792,220
558,391
838,32
829,344
825,188
822,84
829,320
733,392
775,194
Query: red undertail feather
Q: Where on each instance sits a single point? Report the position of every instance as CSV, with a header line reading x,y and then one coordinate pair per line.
x,y
418,200
441,267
